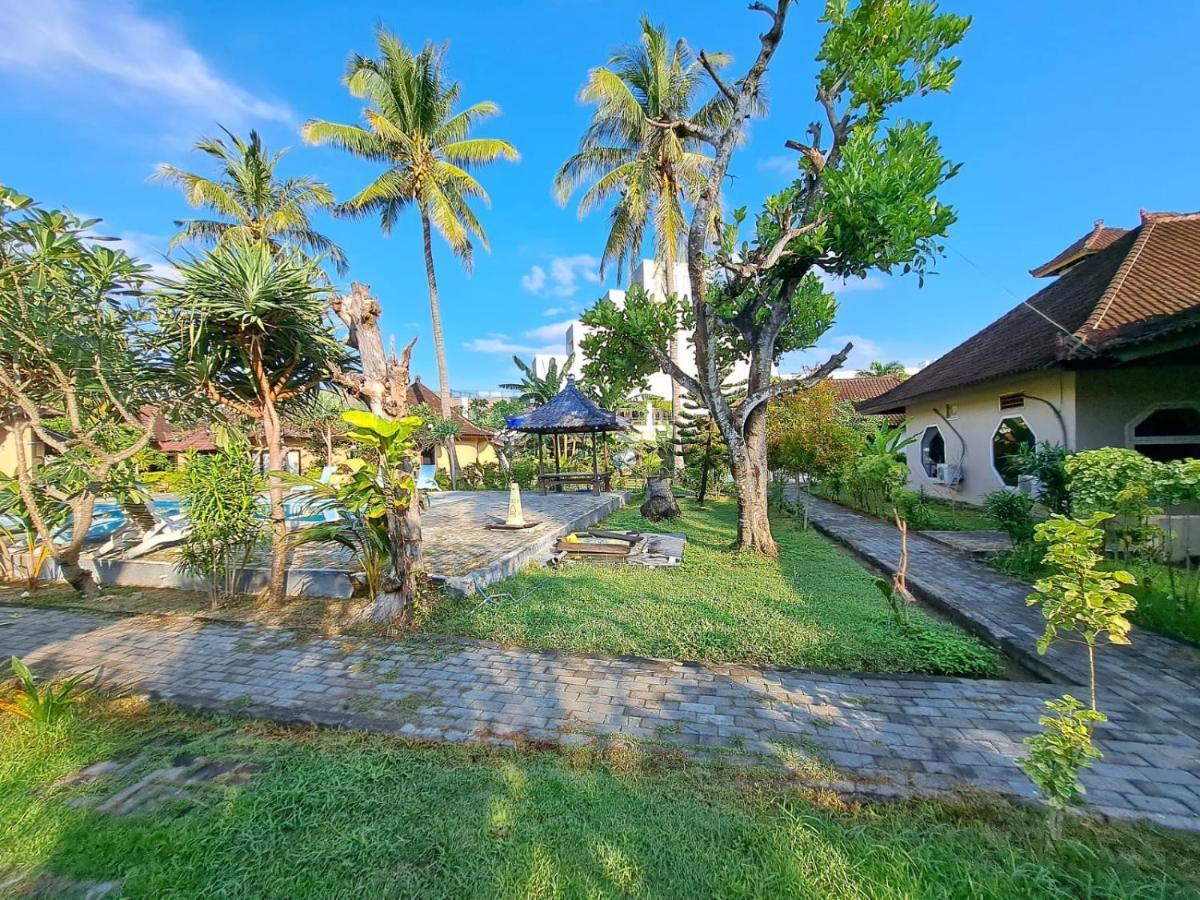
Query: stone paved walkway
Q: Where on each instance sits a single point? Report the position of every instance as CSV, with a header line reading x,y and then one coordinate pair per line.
x,y
879,735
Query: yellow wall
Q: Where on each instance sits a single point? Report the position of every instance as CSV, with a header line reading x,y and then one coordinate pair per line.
x,y
470,452
12,431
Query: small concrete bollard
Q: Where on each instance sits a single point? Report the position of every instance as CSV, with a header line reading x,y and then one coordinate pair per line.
x,y
516,517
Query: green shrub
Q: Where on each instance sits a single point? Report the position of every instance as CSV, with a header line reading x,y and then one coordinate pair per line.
x,y
1048,464
1058,753
1013,514
913,508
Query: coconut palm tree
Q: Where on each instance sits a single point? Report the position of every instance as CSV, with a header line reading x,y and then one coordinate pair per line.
x,y
252,201
411,126
654,171
879,369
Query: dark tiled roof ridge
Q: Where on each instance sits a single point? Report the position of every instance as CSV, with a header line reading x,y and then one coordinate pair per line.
x,y
1114,287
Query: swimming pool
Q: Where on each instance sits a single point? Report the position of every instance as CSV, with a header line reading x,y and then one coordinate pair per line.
x,y
108,516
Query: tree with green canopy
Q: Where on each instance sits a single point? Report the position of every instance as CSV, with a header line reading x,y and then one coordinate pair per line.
x,y
879,369
653,172
865,198
81,361
253,334
412,127
253,202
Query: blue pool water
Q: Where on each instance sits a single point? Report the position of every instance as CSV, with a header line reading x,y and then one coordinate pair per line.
x,y
108,516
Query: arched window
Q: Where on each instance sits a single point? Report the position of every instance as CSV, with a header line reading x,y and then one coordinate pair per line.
x,y
1011,438
933,450
1167,432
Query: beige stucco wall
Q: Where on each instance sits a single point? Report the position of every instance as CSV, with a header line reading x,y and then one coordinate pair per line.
x,y
1110,400
11,432
470,452
978,418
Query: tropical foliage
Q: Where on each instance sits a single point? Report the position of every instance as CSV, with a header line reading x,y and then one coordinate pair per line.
x,y
253,335
254,204
79,345
42,705
537,390
220,498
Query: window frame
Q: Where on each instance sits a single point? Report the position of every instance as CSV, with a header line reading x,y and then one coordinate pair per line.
x,y
921,452
992,448
1132,440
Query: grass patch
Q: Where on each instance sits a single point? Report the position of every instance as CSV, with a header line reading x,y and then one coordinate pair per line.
x,y
813,607
337,814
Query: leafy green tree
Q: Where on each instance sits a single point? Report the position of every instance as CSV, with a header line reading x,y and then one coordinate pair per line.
x,y
320,419
79,345
494,414
865,198
879,369
1059,752
653,172
252,334
253,203
375,506
411,126
813,433
220,497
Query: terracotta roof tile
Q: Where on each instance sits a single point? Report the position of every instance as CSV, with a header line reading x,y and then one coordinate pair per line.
x,y
418,394
1094,241
864,387
1141,285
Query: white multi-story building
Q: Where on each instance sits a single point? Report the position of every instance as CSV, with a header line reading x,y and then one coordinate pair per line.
x,y
641,411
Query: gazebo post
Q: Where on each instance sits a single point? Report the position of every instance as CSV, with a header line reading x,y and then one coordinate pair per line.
x,y
595,467
557,463
541,468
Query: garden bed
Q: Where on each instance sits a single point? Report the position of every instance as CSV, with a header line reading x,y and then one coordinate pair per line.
x,y
325,814
813,607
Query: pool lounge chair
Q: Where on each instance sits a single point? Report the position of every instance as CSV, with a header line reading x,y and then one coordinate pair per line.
x,y
169,530
427,478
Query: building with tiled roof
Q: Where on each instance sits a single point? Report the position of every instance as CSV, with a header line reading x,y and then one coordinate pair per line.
x,y
474,445
1107,354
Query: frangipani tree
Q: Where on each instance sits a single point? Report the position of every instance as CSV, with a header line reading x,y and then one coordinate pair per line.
x,y
865,198
79,349
253,334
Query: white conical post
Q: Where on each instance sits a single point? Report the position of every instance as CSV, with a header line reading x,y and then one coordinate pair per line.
x,y
516,518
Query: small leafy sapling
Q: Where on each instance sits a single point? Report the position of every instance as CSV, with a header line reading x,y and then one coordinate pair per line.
x,y
1079,597
1057,754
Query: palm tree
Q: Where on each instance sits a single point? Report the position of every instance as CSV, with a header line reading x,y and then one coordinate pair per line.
x,y
879,369
653,170
411,126
252,201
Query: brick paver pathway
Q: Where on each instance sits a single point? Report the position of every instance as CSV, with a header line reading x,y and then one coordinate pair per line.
x,y
882,735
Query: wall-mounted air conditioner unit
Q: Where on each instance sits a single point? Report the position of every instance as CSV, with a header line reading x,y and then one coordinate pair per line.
x,y
948,474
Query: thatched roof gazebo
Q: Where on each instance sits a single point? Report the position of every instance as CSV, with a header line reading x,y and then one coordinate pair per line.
x,y
569,412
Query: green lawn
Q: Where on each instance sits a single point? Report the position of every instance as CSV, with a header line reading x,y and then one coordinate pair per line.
x,y
346,815
813,607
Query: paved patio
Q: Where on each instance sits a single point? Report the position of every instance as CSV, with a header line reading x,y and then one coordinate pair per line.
x,y
458,548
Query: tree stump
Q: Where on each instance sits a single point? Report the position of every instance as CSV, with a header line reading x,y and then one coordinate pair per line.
x,y
660,501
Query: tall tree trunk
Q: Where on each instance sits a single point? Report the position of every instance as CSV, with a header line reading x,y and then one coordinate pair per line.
x,y
752,475
383,384
439,346
273,436
673,350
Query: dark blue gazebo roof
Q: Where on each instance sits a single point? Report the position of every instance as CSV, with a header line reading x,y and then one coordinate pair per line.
x,y
568,412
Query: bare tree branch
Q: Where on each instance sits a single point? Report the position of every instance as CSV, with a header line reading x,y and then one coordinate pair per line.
x,y
804,382
717,80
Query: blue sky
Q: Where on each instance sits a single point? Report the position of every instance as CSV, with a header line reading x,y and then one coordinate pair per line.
x,y
1064,112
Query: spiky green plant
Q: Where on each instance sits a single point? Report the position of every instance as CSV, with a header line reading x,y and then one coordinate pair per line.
x,y
43,705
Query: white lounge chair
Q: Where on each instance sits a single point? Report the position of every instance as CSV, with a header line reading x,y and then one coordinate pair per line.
x,y
427,478
171,528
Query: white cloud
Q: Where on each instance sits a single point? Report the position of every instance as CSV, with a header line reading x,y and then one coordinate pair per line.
x,y
112,50
554,311
781,165
545,339
565,276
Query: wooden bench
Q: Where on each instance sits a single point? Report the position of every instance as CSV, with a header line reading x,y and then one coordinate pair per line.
x,y
599,481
